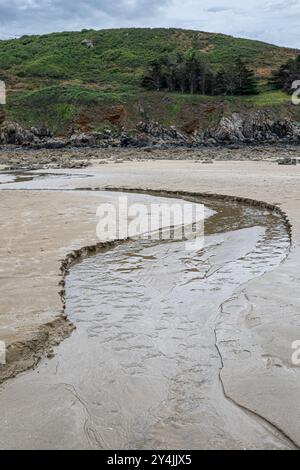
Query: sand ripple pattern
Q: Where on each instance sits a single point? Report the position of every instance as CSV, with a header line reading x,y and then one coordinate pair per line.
x,y
142,368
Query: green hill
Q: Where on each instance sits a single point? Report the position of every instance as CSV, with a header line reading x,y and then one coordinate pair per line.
x,y
57,80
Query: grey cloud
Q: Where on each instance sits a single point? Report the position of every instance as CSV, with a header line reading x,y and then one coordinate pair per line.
x,y
115,9
217,9
25,16
274,21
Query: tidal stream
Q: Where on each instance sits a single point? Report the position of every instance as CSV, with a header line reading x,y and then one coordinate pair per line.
x,y
142,368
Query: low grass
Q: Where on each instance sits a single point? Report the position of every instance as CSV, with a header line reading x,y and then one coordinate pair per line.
x,y
269,99
53,77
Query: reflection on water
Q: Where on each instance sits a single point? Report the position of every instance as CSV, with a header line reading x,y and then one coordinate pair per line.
x,y
142,370
42,180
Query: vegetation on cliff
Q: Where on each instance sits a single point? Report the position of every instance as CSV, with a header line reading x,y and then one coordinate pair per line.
x,y
56,79
190,73
286,75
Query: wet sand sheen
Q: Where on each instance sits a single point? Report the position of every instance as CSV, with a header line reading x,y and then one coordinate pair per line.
x,y
142,369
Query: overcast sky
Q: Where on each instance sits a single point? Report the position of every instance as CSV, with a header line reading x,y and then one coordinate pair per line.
x,y
274,21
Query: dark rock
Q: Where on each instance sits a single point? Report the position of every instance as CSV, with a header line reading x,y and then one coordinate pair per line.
x,y
2,116
166,134
233,131
55,143
138,141
288,161
41,132
82,140
256,127
13,134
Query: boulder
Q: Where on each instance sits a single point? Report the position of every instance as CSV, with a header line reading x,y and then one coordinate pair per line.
x,y
138,141
166,134
88,43
230,129
13,133
41,132
82,140
56,143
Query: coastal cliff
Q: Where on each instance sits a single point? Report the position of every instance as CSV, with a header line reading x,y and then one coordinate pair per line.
x,y
252,129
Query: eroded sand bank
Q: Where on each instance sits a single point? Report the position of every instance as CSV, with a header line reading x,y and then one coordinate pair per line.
x,y
40,228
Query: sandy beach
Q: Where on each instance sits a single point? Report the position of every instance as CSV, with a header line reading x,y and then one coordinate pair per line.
x,y
255,327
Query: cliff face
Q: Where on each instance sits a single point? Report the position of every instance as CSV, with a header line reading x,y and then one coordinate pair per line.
x,y
254,128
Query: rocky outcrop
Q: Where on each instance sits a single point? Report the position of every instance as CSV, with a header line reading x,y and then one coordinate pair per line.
x,y
56,143
254,128
82,140
88,43
13,133
162,133
41,132
98,139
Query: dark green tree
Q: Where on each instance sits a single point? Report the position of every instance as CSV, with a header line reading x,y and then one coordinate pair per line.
x,y
181,74
237,79
154,79
247,79
283,78
191,73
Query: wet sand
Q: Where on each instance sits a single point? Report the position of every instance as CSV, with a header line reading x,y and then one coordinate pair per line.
x,y
258,319
39,230
142,368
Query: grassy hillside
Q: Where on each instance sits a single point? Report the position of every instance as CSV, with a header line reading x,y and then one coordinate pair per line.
x,y
54,79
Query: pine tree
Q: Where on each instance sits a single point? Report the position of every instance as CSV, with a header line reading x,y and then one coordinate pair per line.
x,y
190,73
246,80
181,74
236,80
153,80
283,78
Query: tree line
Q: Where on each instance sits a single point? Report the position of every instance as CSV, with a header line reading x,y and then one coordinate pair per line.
x,y
190,73
283,78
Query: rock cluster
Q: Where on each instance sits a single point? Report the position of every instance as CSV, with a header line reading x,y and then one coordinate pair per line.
x,y
257,127
13,133
254,128
18,158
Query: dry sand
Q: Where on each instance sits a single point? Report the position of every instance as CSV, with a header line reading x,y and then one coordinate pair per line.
x,y
255,329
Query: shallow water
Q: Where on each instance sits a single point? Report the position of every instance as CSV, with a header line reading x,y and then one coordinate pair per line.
x,y
142,369
6,178
42,179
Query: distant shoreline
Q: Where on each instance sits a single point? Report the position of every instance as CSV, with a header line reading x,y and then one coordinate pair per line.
x,y
19,158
